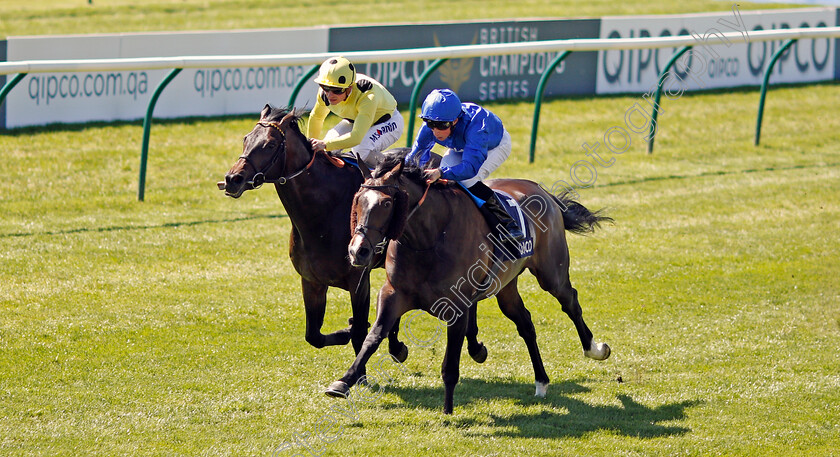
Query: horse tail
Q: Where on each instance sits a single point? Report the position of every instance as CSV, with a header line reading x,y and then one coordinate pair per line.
x,y
577,218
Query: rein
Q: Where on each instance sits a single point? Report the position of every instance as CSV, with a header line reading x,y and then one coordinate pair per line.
x,y
422,199
260,179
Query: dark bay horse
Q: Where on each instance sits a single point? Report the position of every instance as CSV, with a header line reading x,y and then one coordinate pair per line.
x,y
317,192
443,262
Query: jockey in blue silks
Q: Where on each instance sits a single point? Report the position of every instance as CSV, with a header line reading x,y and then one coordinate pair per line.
x,y
478,144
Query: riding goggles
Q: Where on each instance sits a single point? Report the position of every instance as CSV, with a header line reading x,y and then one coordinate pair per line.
x,y
438,125
333,90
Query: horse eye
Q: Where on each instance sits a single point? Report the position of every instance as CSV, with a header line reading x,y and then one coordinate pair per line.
x,y
271,145
387,203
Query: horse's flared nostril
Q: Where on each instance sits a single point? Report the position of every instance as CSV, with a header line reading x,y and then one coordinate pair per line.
x,y
234,180
359,257
234,185
362,255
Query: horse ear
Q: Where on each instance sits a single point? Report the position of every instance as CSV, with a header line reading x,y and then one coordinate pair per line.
x,y
394,173
362,167
265,111
288,118
400,217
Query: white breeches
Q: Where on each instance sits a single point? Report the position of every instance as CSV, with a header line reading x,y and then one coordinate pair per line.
x,y
495,158
379,138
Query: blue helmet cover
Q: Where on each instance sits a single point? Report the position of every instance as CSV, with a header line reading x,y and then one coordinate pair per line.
x,y
441,105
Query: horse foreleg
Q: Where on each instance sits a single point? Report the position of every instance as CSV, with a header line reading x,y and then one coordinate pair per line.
x,y
389,309
512,306
315,303
451,368
360,302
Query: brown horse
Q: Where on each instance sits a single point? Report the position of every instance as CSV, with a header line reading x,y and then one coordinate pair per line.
x,y
317,192
443,262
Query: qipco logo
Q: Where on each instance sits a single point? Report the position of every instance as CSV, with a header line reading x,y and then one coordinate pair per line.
x,y
807,56
632,65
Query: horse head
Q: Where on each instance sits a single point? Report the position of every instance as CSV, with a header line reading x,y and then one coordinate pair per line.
x,y
378,215
267,152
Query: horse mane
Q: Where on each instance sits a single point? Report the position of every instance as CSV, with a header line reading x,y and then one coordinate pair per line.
x,y
410,170
277,115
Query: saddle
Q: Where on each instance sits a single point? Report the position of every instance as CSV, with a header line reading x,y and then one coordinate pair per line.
x,y
504,250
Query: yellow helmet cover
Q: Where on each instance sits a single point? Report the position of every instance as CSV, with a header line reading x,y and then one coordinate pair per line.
x,y
336,72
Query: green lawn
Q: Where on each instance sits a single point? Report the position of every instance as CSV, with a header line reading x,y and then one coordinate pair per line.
x,y
49,17
175,326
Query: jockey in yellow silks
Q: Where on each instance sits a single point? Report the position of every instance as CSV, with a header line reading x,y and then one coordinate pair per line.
x,y
370,120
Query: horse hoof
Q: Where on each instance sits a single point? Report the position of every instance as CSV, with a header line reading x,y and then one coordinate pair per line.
x,y
480,355
338,389
402,355
598,351
542,388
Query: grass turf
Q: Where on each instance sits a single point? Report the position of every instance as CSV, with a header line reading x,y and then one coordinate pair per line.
x,y
175,326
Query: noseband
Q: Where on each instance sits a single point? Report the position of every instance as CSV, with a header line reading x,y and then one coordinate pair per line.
x,y
259,178
363,229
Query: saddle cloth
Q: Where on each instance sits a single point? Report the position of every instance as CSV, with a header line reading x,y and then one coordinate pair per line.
x,y
507,250
524,248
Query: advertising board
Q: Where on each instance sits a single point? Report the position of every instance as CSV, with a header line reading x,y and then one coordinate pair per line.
x,y
737,63
837,50
478,79
43,98
2,83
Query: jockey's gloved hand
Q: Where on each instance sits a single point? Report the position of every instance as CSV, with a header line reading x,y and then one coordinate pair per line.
x,y
432,175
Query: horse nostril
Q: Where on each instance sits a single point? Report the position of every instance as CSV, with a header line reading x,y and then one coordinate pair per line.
x,y
362,253
234,180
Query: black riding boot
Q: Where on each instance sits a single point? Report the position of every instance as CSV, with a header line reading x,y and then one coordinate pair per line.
x,y
510,230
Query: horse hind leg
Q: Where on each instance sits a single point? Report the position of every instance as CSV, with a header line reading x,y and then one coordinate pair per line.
x,y
512,306
476,349
315,303
568,298
593,350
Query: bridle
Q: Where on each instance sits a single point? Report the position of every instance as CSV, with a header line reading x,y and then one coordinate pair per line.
x,y
363,229
259,178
